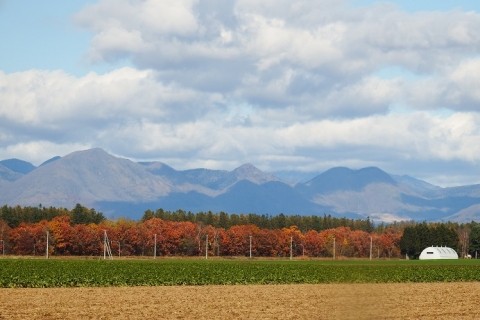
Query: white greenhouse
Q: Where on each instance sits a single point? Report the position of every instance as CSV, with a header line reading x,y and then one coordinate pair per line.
x,y
432,253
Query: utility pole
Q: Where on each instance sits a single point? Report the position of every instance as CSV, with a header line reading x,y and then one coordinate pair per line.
x,y
46,250
371,247
334,248
106,246
291,248
206,248
250,247
155,247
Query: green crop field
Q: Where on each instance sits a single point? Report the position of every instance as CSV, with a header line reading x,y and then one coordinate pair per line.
x,y
163,272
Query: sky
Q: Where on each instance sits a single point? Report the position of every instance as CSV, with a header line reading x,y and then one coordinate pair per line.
x,y
289,86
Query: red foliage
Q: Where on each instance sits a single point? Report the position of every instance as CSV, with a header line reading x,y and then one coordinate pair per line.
x,y
188,238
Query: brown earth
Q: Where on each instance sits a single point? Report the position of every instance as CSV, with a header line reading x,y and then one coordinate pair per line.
x,y
326,301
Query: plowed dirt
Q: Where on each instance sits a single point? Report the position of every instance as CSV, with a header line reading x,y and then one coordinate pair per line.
x,y
327,301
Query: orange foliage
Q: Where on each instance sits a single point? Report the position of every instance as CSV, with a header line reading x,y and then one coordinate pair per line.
x,y
188,238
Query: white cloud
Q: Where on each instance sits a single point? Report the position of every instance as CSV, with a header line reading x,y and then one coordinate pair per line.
x,y
282,84
456,88
130,112
465,81
153,17
383,140
134,27
283,53
46,98
39,151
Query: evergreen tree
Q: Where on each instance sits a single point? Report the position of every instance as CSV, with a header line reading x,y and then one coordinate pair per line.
x,y
474,238
83,215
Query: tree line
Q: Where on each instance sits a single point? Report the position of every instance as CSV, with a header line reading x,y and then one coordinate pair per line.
x,y
16,215
79,231
225,220
417,237
185,238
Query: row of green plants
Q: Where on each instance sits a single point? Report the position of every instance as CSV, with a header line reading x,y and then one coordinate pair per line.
x,y
36,273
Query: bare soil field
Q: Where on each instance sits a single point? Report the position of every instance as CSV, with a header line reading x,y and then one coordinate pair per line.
x,y
325,301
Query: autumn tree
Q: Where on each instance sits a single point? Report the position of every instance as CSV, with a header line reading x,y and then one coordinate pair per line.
x,y
86,240
60,229
292,238
388,243
314,244
236,241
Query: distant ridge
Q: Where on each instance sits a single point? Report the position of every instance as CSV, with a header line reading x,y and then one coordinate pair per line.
x,y
18,166
51,160
121,187
212,179
341,178
85,177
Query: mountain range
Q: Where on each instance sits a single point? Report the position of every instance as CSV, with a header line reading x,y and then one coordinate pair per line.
x,y
120,187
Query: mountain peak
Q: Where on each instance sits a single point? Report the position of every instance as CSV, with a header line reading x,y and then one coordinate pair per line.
x,y
158,168
247,167
93,152
342,178
90,157
18,166
96,178
251,173
86,177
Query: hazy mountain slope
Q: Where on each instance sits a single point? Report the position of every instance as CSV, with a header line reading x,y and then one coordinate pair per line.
x,y
159,168
86,177
243,197
7,174
418,186
380,201
120,187
51,160
372,192
469,214
269,198
250,173
460,191
343,179
188,201
212,179
19,166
